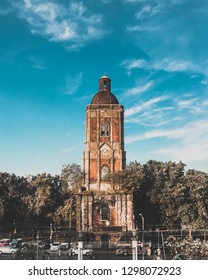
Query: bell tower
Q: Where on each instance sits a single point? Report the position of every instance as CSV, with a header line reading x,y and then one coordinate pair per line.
x,y
104,146
103,209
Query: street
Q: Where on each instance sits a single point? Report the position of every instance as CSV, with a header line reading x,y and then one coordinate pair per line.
x,y
48,255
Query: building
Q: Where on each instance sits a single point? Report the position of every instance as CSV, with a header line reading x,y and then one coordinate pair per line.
x,y
104,209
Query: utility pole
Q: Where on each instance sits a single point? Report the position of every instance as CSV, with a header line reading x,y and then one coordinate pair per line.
x,y
143,247
37,243
80,250
51,233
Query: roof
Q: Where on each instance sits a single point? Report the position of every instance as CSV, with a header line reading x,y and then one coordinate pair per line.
x,y
104,97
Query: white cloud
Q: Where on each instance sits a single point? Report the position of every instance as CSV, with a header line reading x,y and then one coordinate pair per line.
x,y
68,150
171,32
170,65
28,3
46,11
106,1
155,117
165,64
148,10
145,27
78,8
72,24
187,103
72,83
139,89
188,133
146,105
204,82
37,63
134,1
193,105
130,64
4,12
193,144
190,145
173,134
188,154
60,32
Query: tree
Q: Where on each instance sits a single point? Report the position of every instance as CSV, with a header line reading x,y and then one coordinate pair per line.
x,y
132,178
194,208
66,214
187,248
26,252
47,197
164,187
13,190
72,177
163,192
129,179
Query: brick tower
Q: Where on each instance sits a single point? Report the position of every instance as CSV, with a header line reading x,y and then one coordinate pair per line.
x,y
102,208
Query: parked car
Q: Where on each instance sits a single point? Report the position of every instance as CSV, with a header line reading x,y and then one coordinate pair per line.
x,y
124,249
74,251
16,243
4,241
44,244
64,245
7,249
55,246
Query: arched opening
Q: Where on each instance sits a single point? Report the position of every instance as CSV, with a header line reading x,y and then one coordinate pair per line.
x,y
105,239
104,212
104,130
105,170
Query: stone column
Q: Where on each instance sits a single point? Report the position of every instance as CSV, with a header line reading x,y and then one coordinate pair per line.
x,y
78,213
90,212
129,212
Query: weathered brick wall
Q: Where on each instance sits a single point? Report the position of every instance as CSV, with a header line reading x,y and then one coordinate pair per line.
x,y
104,151
93,129
112,115
89,210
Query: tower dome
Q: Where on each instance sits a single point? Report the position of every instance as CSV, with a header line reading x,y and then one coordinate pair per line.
x,y
104,95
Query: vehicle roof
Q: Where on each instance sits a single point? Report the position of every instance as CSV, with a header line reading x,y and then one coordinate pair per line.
x,y
18,239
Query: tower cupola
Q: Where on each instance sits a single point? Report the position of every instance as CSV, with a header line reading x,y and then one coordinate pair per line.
x,y
104,95
104,83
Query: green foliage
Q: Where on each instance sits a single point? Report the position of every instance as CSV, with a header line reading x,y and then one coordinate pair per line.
x,y
187,248
13,190
30,202
72,177
65,213
165,189
195,209
26,252
39,200
47,197
131,178
163,192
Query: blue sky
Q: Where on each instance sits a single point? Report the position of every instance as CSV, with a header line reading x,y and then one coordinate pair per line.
x,y
52,54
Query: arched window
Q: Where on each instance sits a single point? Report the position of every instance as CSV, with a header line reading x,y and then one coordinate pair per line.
x,y
105,170
105,84
104,131
104,212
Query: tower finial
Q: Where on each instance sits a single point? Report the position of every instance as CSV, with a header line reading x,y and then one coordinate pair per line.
x,y
105,83
104,76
